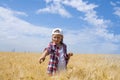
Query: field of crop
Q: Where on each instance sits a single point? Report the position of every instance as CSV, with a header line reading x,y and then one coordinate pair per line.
x,y
25,66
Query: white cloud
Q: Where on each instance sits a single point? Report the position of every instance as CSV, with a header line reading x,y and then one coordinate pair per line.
x,y
20,13
55,8
47,1
91,41
112,3
80,5
117,11
116,8
12,13
88,10
17,33
99,25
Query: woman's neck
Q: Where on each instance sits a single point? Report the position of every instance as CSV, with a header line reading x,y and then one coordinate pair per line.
x,y
57,44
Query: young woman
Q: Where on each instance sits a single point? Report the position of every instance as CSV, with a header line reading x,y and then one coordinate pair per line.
x,y
58,53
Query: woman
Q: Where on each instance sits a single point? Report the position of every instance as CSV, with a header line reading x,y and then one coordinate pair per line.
x,y
58,53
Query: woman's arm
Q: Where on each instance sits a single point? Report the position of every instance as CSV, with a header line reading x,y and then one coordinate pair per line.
x,y
42,58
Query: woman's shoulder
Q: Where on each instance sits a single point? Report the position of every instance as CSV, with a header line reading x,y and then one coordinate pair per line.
x,y
50,44
64,44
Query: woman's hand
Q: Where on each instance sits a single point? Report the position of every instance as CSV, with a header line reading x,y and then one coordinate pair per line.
x,y
42,59
70,54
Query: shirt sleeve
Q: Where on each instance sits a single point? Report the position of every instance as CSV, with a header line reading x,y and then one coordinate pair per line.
x,y
48,48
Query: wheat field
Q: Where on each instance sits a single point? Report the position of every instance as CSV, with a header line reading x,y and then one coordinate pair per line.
x,y
25,66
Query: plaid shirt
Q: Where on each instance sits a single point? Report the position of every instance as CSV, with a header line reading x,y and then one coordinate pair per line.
x,y
54,57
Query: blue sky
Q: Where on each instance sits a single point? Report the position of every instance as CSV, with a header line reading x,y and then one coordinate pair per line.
x,y
89,26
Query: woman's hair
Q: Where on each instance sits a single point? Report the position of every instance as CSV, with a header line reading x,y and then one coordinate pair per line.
x,y
61,42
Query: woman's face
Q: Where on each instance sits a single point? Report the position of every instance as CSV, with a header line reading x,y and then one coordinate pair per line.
x,y
56,38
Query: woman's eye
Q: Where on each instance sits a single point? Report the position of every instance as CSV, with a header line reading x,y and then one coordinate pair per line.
x,y
57,37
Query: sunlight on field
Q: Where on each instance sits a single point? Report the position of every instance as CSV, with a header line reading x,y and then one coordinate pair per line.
x,y
25,66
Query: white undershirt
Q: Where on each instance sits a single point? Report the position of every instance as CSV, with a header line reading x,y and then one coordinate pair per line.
x,y
61,63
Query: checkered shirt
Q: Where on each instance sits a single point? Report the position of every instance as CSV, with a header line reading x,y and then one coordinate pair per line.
x,y
54,57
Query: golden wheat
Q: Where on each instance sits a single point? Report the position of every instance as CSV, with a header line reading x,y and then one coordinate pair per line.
x,y
25,66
